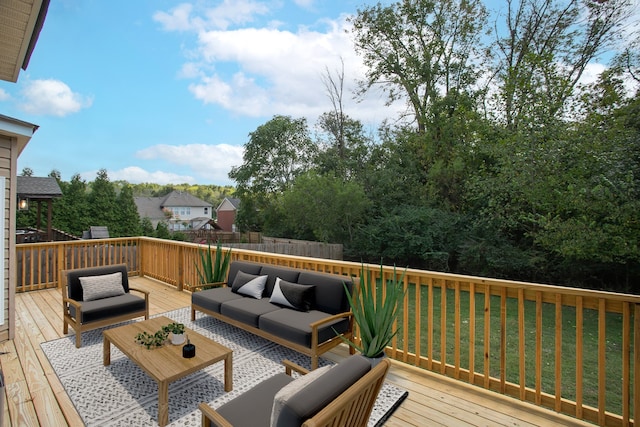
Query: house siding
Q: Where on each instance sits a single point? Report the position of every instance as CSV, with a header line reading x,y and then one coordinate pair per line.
x,y
8,163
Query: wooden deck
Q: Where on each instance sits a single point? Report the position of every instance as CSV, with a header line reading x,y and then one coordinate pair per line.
x,y
34,396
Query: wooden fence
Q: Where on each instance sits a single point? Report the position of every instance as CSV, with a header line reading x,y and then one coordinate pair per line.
x,y
572,350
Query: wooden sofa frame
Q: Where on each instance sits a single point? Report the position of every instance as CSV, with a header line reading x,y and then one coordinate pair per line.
x,y
75,322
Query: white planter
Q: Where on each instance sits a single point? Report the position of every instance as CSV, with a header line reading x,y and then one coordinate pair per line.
x,y
177,339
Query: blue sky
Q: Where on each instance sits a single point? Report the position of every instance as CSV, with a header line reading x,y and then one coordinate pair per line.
x,y
167,92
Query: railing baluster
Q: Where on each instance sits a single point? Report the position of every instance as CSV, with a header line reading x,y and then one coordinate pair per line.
x,y
521,345
558,353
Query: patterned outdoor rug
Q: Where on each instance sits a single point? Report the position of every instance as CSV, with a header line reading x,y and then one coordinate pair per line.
x,y
121,394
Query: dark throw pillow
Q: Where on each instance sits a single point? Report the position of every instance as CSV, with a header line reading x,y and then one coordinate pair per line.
x,y
293,295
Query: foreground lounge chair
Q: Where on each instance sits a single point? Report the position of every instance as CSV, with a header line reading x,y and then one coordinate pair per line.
x,y
342,395
99,296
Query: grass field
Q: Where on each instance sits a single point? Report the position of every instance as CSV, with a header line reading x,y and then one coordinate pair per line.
x,y
568,363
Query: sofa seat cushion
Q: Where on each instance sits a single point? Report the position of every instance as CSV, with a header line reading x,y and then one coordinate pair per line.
x,y
212,299
253,407
109,307
247,310
310,400
293,325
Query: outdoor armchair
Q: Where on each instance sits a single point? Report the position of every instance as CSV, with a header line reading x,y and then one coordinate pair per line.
x,y
99,296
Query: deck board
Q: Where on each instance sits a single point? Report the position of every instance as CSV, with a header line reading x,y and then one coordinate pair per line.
x,y
34,395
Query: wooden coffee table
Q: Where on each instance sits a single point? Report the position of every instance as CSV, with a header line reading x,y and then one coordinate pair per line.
x,y
165,364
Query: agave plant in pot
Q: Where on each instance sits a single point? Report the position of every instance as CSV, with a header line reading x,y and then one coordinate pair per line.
x,y
214,266
375,311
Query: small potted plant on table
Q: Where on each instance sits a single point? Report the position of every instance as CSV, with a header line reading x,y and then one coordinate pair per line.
x,y
177,332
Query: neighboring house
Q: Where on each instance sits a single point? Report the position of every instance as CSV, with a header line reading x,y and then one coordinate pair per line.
x,y
226,214
20,25
178,209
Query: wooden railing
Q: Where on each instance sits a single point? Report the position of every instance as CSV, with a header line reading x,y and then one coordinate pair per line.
x,y
571,350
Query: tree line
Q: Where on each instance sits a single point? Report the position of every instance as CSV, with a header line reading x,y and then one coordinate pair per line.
x,y
103,202
505,165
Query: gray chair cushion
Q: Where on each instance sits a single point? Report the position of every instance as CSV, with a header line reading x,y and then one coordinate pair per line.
x,y
212,299
253,407
330,296
247,310
310,400
109,307
293,325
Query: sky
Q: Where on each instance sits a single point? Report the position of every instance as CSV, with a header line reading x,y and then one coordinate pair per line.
x,y
167,92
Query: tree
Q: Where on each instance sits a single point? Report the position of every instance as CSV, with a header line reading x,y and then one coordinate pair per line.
x,y
421,50
146,227
103,207
128,219
276,153
324,208
71,212
544,50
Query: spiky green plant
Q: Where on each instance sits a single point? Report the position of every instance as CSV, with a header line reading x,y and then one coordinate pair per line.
x,y
214,266
374,314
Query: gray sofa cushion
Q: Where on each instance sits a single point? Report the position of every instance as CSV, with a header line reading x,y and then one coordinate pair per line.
x,y
247,310
109,307
274,272
293,325
247,267
330,296
212,299
74,287
253,407
311,399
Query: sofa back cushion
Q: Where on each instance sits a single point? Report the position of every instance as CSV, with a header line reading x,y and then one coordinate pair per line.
x,y
330,296
308,401
74,287
247,267
273,271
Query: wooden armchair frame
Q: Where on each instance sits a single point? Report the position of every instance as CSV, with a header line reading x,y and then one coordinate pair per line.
x,y
352,408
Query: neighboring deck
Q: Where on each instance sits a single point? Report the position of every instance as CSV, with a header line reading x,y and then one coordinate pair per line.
x,y
35,396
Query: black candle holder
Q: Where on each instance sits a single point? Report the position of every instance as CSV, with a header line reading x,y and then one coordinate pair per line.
x,y
189,350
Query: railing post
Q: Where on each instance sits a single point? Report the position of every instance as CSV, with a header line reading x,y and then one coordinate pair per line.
x,y
636,365
61,259
180,282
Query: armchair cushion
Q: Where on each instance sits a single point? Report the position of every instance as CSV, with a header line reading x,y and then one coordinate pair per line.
x,y
103,286
310,400
292,388
109,307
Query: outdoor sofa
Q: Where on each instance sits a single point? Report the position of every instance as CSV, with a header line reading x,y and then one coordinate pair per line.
x,y
94,297
299,309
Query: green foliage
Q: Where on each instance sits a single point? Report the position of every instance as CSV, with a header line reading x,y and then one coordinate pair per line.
x,y
375,309
162,231
146,227
213,267
128,223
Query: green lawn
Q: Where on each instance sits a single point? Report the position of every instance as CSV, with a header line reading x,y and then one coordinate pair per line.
x,y
590,347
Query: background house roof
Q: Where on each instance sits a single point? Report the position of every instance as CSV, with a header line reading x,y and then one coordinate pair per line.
x,y
229,204
38,188
182,198
20,25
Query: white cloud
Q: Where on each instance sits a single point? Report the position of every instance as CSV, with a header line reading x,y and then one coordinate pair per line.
x,y
208,162
267,71
4,96
52,97
227,13
137,175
